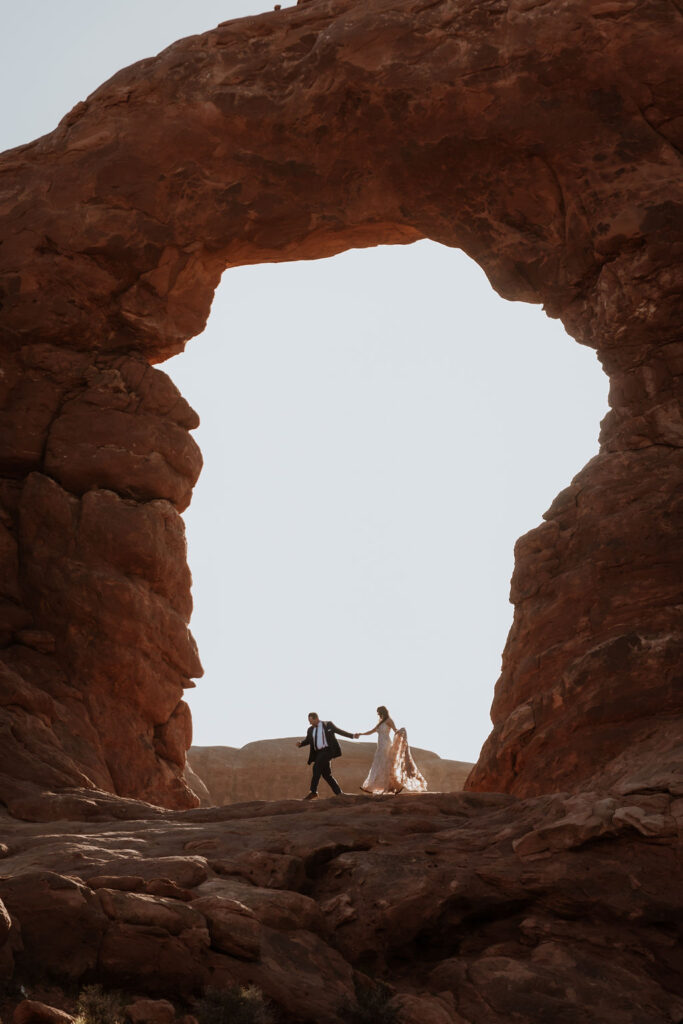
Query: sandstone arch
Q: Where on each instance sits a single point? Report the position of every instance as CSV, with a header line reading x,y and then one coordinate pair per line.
x,y
544,141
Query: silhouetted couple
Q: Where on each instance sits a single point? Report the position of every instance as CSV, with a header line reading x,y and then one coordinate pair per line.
x,y
392,769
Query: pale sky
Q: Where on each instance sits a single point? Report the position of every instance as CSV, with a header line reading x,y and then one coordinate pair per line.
x,y
377,428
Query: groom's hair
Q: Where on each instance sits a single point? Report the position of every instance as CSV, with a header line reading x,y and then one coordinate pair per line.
x,y
313,714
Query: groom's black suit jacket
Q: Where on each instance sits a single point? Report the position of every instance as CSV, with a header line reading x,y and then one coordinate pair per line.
x,y
332,744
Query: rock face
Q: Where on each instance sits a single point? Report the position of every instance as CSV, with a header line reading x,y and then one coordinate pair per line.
x,y
545,141
476,908
276,770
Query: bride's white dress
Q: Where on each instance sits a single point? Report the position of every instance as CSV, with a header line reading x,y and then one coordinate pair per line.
x,y
393,768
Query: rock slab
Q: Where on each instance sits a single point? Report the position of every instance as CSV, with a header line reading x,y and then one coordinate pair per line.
x,y
476,908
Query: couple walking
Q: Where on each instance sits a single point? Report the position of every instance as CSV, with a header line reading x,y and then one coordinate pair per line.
x,y
392,769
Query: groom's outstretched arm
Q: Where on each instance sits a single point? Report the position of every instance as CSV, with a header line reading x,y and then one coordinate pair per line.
x,y
305,742
342,732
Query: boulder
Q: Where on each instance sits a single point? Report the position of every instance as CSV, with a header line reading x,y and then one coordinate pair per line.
x,y
30,1011
60,920
151,1011
232,926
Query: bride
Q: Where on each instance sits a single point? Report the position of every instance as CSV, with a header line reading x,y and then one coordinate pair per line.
x,y
393,768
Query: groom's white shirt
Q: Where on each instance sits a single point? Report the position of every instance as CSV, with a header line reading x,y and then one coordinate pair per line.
x,y
319,737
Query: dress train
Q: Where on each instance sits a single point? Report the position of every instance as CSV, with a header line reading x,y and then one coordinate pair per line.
x,y
393,767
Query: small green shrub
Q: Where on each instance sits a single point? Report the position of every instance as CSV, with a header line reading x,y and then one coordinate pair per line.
x,y
234,1006
372,1005
95,1006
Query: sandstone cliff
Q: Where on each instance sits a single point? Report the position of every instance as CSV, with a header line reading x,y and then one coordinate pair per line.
x,y
276,770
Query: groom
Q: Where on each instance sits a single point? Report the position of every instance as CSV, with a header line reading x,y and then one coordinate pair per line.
x,y
324,746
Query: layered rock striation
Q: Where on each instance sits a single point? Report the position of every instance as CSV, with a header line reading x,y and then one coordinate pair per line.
x,y
96,650
545,141
276,770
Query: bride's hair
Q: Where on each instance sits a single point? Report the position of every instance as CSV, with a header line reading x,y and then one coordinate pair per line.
x,y
382,712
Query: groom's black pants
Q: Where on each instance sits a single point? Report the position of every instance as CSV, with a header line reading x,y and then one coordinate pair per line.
x,y
321,766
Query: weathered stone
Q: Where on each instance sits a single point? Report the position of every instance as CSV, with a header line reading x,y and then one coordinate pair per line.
x,y
60,920
424,1010
298,971
146,958
277,908
169,889
6,955
273,870
29,1011
185,871
124,883
155,912
232,926
151,1011
430,884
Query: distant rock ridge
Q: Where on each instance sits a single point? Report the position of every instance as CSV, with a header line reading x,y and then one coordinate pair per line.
x,y
276,770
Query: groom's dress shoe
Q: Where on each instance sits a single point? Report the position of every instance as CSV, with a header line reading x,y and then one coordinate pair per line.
x,y
310,796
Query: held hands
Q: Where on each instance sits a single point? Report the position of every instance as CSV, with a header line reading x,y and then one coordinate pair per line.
x,y
298,743
356,735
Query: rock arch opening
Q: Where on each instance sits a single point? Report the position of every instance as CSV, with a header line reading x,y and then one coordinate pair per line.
x,y
378,430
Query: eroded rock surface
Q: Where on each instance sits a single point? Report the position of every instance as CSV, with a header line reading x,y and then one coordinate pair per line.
x,y
475,908
276,770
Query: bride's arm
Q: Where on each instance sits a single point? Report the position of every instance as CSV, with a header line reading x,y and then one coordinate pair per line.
x,y
390,723
369,732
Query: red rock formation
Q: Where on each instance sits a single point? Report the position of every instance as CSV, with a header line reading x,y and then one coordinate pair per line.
x,y
473,907
102,584
545,141
276,770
